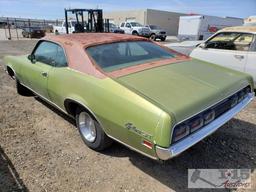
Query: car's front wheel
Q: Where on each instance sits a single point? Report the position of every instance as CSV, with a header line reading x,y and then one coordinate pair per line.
x,y
91,131
163,38
153,37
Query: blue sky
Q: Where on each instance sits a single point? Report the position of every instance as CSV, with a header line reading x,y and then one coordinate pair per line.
x,y
53,9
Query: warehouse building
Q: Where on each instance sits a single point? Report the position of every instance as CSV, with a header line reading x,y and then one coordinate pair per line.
x,y
165,19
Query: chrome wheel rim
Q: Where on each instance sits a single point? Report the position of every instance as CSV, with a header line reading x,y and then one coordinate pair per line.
x,y
152,37
87,127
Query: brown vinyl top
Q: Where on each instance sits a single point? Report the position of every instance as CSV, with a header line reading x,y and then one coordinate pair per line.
x,y
90,39
78,59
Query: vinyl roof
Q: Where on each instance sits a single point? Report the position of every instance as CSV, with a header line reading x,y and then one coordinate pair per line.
x,y
90,39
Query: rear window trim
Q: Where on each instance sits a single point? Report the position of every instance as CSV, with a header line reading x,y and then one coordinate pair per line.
x,y
176,54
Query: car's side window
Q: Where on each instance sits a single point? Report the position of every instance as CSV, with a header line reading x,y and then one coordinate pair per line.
x,y
243,42
46,53
122,25
128,25
254,44
61,60
231,41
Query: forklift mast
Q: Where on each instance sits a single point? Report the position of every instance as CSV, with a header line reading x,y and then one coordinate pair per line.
x,y
94,21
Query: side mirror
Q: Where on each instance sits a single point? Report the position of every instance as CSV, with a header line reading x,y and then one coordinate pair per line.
x,y
202,45
32,58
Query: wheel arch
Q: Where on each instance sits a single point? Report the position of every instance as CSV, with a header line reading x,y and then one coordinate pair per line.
x,y
71,105
135,31
10,71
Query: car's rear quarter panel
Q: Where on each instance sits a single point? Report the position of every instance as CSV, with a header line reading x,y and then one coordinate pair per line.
x,y
114,106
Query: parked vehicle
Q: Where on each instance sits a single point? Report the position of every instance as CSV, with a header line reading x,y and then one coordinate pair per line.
x,y
157,32
113,28
33,32
135,28
130,89
233,47
201,27
72,24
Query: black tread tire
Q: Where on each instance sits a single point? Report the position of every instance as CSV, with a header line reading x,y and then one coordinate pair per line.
x,y
135,33
21,90
153,37
102,141
163,38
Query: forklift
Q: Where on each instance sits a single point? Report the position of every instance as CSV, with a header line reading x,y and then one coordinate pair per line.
x,y
94,21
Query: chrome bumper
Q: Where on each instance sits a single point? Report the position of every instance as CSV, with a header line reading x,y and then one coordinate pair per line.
x,y
177,148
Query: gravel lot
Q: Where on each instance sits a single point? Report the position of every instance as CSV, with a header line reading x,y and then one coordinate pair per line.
x,y
41,150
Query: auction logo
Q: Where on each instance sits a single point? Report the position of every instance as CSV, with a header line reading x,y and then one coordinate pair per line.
x,y
219,178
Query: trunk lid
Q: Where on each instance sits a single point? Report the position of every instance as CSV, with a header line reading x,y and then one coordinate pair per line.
x,y
186,88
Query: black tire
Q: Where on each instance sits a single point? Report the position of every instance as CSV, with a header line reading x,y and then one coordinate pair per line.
x,y
153,37
21,90
135,33
163,38
101,141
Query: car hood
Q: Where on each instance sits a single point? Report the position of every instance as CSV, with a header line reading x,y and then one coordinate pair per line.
x,y
186,88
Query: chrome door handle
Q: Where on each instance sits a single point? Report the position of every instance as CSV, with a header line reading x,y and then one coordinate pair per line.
x,y
240,57
44,74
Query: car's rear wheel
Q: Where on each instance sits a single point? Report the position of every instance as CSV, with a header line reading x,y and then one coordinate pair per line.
x,y
91,131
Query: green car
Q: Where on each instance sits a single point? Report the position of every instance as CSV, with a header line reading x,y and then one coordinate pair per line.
x,y
126,88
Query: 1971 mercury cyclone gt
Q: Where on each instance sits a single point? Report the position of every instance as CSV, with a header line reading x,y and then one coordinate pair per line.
x,y
129,89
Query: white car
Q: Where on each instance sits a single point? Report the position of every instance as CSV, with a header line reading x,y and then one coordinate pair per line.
x,y
135,28
232,47
62,29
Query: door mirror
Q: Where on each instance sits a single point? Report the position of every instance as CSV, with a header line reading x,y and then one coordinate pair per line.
x,y
32,58
203,45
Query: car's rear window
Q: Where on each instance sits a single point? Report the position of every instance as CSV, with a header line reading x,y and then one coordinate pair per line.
x,y
114,56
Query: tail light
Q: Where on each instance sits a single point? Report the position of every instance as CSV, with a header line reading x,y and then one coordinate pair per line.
x,y
195,123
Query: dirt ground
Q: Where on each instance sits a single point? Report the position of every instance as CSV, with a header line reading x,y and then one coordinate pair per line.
x,y
41,150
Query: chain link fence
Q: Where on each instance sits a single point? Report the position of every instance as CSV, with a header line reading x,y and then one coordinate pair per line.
x,y
13,28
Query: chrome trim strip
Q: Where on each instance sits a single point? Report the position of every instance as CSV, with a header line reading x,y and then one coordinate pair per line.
x,y
53,104
132,148
48,101
86,107
55,42
179,147
5,68
205,110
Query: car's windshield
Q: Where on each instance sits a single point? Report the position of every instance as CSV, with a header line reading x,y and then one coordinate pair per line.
x,y
114,56
135,24
154,27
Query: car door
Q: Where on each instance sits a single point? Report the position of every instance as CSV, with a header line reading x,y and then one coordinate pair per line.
x,y
251,60
36,74
128,28
55,78
224,49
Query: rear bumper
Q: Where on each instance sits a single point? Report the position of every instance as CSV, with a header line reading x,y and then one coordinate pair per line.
x,y
177,148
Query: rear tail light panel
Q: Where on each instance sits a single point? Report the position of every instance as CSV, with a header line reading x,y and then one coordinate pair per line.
x,y
198,121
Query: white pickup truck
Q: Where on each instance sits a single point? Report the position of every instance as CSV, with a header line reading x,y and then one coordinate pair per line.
x,y
62,29
135,28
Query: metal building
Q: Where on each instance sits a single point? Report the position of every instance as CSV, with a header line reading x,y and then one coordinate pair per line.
x,y
165,19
